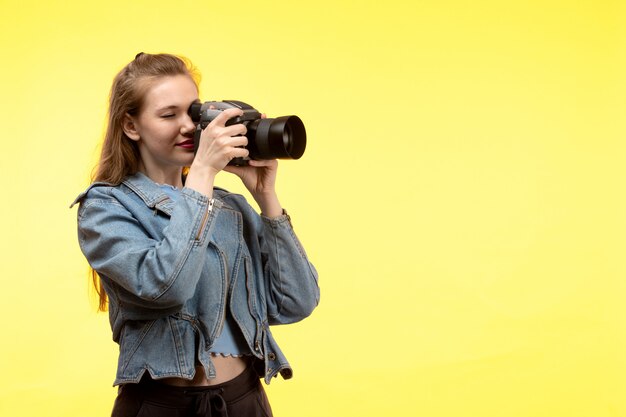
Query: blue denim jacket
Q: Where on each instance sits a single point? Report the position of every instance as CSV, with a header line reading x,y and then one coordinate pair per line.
x,y
170,270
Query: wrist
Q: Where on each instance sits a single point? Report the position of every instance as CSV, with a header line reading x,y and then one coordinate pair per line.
x,y
201,180
269,204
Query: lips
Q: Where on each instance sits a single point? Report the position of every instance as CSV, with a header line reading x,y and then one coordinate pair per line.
x,y
188,144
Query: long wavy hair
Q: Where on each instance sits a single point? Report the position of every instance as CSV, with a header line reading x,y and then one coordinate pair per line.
x,y
120,157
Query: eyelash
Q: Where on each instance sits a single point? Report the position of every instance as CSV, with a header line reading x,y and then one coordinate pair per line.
x,y
167,116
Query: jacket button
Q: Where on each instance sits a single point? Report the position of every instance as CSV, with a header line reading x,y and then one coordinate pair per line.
x,y
271,356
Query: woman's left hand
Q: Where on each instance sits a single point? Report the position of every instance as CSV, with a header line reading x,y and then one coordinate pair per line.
x,y
259,177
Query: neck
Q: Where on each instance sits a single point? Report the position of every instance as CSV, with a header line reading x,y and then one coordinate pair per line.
x,y
173,176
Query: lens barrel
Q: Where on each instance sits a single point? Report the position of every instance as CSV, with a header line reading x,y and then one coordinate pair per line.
x,y
280,138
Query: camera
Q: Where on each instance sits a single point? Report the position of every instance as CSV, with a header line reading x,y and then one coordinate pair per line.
x,y
280,138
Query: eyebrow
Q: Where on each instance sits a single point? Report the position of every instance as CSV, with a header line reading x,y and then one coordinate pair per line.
x,y
170,107
173,106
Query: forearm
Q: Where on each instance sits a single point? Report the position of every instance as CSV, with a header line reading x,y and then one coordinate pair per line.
x,y
291,280
269,204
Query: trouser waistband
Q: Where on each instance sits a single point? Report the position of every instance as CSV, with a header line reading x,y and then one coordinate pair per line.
x,y
230,390
205,400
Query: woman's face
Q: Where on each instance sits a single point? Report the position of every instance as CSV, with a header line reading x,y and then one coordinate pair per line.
x,y
163,130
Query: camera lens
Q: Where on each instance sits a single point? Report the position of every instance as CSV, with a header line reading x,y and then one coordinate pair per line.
x,y
287,134
282,138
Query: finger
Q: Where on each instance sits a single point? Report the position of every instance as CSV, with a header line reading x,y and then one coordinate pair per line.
x,y
238,129
239,153
233,141
225,116
223,134
263,162
233,169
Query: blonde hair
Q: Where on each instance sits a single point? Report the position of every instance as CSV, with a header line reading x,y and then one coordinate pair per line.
x,y
119,157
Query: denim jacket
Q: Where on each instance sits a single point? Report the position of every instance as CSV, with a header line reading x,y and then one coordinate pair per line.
x,y
171,270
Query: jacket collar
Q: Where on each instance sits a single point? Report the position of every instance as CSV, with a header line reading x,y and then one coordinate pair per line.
x,y
150,192
146,189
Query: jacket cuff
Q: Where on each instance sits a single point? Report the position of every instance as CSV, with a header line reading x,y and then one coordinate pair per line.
x,y
282,220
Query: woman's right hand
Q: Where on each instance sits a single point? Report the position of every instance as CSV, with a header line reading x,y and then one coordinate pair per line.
x,y
219,144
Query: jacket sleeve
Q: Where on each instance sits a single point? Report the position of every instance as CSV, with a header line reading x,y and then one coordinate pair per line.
x,y
291,281
157,274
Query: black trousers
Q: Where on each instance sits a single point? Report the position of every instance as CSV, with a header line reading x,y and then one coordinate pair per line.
x,y
242,396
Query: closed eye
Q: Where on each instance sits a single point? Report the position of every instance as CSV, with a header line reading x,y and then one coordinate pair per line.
x,y
166,116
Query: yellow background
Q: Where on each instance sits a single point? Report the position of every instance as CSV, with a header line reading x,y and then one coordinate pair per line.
x,y
462,196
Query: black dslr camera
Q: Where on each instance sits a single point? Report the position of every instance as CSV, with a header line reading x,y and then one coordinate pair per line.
x,y
280,138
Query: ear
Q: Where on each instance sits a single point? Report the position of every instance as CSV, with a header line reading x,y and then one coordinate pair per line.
x,y
128,125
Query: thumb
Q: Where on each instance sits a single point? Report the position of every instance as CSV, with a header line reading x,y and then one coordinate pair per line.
x,y
238,171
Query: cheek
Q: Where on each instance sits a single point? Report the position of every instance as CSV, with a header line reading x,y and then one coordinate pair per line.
x,y
162,135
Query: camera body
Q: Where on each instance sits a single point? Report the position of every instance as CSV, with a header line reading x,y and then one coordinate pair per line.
x,y
280,138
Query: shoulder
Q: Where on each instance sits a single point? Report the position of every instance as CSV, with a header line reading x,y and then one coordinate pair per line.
x,y
134,185
96,191
100,199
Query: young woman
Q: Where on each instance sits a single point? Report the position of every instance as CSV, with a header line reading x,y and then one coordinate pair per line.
x,y
193,277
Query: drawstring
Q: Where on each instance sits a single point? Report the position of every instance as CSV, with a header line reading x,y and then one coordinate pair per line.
x,y
209,402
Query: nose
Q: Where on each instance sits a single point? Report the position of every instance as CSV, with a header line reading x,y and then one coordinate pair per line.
x,y
188,126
